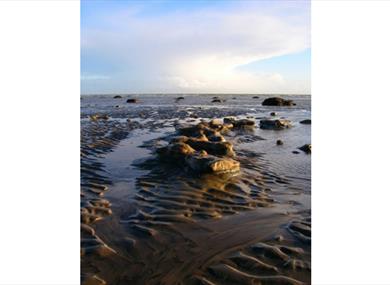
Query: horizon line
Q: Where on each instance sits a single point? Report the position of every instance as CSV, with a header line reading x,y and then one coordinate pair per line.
x,y
211,93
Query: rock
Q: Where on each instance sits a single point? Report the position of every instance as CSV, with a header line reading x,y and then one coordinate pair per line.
x,y
306,122
255,97
99,117
306,148
295,152
239,123
273,114
180,98
277,101
215,148
117,97
216,101
176,150
275,124
212,164
132,100
279,142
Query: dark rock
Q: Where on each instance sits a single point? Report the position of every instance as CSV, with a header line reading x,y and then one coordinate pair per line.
x,y
255,97
180,98
216,101
117,97
132,100
273,114
275,124
295,152
279,142
277,101
306,148
306,122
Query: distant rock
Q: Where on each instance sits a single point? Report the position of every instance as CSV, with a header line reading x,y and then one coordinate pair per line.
x,y
117,97
99,117
295,152
273,114
132,100
277,101
179,98
306,148
216,100
275,124
255,97
306,122
279,142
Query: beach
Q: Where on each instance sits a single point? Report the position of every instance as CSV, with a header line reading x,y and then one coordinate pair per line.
x,y
232,205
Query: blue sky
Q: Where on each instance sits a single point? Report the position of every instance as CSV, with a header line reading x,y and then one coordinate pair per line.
x,y
195,47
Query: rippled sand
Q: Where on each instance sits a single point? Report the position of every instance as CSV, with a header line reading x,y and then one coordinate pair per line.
x,y
149,221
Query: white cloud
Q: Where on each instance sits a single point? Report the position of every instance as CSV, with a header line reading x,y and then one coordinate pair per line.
x,y
197,51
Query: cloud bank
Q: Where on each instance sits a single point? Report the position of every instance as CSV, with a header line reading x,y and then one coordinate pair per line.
x,y
193,51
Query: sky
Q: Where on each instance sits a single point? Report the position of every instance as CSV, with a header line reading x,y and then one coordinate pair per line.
x,y
195,46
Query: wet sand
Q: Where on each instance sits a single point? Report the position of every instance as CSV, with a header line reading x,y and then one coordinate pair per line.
x,y
147,220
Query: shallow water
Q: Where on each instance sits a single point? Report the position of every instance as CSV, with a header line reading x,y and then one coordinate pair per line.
x,y
161,224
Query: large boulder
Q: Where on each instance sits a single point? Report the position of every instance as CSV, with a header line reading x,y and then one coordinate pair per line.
x,y
277,101
275,124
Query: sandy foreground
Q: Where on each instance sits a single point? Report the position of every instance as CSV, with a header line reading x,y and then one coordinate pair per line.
x,y
152,214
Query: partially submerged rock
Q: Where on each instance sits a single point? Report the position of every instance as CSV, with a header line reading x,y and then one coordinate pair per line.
x,y
179,98
117,97
202,148
275,124
273,114
255,97
216,100
277,101
306,148
132,100
279,142
306,122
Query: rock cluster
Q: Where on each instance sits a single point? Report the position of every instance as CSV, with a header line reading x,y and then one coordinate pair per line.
x,y
277,101
203,148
